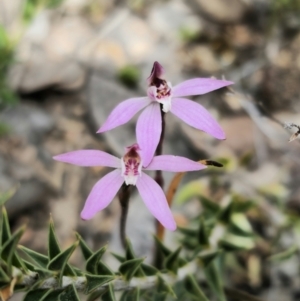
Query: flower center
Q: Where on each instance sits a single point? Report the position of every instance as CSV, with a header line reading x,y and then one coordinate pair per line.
x,y
160,91
131,165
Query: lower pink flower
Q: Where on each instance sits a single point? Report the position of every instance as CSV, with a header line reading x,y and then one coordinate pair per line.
x,y
129,169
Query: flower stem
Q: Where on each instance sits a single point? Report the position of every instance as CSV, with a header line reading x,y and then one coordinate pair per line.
x,y
124,196
160,181
158,175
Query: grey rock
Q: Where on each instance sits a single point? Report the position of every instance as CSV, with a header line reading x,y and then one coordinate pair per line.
x,y
6,182
103,96
10,14
122,39
20,165
28,121
29,194
47,54
221,11
169,18
44,73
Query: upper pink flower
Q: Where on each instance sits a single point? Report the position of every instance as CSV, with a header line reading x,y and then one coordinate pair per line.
x,y
160,91
129,169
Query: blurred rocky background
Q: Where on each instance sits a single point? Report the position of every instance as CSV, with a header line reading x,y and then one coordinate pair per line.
x,y
64,64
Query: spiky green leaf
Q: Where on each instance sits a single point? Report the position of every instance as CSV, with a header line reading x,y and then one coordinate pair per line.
x,y
59,263
95,281
129,253
172,261
77,271
285,254
38,258
86,251
4,278
91,264
164,287
5,196
9,248
241,205
118,257
109,295
207,256
213,278
36,294
241,223
225,213
161,247
4,228
202,234
103,269
188,232
149,270
53,246
95,295
70,294
42,272
53,295
193,288
190,243
130,267
132,295
232,242
209,205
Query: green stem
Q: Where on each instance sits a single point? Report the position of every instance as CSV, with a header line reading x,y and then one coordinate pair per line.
x,y
160,181
124,197
158,174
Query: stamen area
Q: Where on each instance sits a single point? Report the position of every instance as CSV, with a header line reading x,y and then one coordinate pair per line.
x,y
131,166
131,171
162,94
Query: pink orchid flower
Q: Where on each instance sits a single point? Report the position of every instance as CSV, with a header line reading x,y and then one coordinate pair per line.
x,y
129,169
160,91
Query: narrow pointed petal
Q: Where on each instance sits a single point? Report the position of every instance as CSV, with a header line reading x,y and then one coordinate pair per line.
x,y
155,200
174,164
102,194
123,112
198,86
148,131
89,157
196,116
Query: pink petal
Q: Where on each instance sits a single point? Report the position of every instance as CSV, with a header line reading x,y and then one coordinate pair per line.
x,y
148,130
174,163
198,86
155,200
89,157
123,112
196,116
102,194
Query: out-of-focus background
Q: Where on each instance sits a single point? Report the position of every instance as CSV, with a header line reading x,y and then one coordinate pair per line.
x,y
64,64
